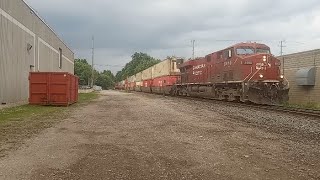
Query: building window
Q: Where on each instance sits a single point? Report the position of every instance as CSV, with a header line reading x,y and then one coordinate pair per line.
x,y
60,58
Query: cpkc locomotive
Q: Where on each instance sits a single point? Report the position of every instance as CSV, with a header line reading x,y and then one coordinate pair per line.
x,y
246,72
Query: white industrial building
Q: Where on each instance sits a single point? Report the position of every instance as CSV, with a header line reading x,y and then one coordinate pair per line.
x,y
27,44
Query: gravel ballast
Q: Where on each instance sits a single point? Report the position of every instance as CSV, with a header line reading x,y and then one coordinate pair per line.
x,y
144,136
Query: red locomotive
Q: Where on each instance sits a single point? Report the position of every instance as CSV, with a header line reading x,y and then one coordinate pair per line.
x,y
243,72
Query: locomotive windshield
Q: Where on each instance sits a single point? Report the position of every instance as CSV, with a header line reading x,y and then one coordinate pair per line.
x,y
251,50
259,50
245,50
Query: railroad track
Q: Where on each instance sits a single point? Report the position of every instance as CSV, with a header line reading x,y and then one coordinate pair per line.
x,y
307,112
300,111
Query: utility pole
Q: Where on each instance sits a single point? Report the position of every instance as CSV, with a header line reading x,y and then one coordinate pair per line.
x,y
281,53
193,41
281,47
92,75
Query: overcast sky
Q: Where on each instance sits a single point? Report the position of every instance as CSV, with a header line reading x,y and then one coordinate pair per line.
x,y
166,27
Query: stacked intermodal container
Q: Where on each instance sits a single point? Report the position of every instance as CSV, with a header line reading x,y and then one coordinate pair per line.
x,y
158,79
121,85
164,75
146,77
53,88
131,83
139,82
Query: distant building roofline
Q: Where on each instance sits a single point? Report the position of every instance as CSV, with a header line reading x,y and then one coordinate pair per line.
x,y
301,52
37,14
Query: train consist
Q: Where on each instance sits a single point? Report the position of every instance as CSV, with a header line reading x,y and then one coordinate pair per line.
x,y
159,78
244,72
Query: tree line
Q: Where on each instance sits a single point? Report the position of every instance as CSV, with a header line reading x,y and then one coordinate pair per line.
x,y
106,79
140,61
83,70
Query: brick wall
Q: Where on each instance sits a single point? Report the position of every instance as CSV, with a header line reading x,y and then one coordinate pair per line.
x,y
291,63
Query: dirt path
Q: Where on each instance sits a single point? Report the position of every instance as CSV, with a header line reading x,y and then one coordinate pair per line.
x,y
138,136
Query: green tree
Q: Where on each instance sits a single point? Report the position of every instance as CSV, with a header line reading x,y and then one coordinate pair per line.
x,y
140,61
105,79
83,70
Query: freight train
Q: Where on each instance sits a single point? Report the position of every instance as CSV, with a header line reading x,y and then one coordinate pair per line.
x,y
245,72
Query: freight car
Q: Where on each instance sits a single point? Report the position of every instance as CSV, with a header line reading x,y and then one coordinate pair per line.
x,y
243,72
164,75
131,83
159,78
120,85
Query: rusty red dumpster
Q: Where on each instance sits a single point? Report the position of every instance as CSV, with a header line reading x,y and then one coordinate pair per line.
x,y
53,88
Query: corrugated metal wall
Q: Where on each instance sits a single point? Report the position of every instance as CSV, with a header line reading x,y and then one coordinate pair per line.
x,y
22,28
290,65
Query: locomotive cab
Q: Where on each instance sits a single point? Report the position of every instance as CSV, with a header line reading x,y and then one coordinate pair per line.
x,y
263,82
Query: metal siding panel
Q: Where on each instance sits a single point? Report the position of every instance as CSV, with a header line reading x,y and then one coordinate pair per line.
x,y
2,57
14,63
7,52
15,60
18,66
55,62
50,38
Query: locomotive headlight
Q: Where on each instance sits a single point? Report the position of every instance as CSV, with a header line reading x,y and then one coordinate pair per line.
x,y
264,58
281,76
261,75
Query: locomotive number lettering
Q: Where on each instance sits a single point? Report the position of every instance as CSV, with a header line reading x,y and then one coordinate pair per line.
x,y
197,73
228,63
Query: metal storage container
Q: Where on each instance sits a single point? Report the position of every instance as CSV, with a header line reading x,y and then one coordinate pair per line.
x,y
147,74
139,77
53,88
132,79
165,68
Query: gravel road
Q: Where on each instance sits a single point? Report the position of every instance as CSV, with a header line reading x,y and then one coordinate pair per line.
x,y
144,136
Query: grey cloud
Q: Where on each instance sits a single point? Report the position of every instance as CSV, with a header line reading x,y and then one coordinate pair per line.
x,y
166,27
